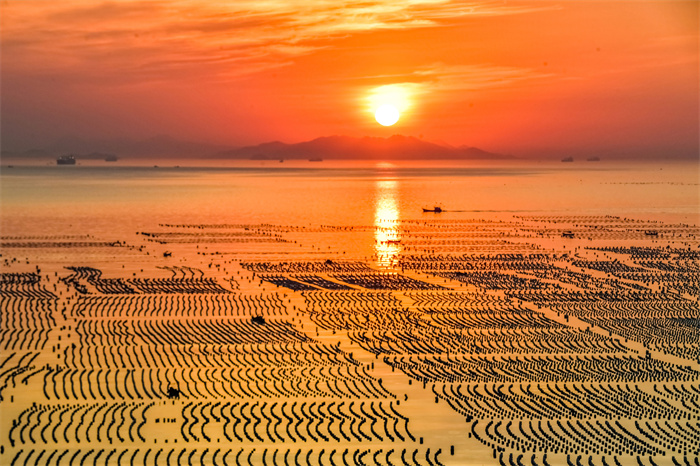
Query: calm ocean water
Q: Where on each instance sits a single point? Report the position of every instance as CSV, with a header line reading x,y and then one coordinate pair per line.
x,y
115,199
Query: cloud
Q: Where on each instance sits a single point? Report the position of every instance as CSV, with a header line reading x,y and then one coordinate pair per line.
x,y
137,41
476,77
433,81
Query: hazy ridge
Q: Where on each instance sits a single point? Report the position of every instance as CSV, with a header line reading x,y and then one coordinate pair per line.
x,y
396,147
343,147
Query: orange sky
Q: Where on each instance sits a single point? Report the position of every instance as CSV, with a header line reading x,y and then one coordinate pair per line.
x,y
523,77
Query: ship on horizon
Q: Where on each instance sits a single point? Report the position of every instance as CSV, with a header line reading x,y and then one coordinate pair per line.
x,y
65,160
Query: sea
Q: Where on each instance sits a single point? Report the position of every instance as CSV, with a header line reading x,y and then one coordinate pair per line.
x,y
457,313
111,198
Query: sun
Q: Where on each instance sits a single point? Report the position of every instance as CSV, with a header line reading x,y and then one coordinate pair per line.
x,y
390,102
387,115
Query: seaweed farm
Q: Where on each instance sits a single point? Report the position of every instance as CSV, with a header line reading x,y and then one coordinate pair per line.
x,y
532,340
265,316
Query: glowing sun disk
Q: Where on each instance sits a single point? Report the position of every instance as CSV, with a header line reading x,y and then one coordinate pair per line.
x,y
387,115
390,102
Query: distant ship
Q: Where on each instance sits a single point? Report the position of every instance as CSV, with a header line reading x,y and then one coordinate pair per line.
x,y
111,158
593,159
435,209
66,160
316,159
567,159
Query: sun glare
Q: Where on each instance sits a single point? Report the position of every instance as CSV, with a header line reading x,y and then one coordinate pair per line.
x,y
388,103
387,115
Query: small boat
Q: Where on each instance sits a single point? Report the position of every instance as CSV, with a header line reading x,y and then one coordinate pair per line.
x,y
435,209
167,254
259,320
651,233
66,160
567,234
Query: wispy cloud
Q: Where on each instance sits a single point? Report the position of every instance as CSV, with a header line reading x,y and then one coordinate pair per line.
x,y
150,40
476,77
434,81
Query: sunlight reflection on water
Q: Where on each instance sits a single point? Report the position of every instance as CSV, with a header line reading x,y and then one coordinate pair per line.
x,y
387,214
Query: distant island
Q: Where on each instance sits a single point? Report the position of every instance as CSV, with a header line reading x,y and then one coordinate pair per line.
x,y
396,147
366,148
